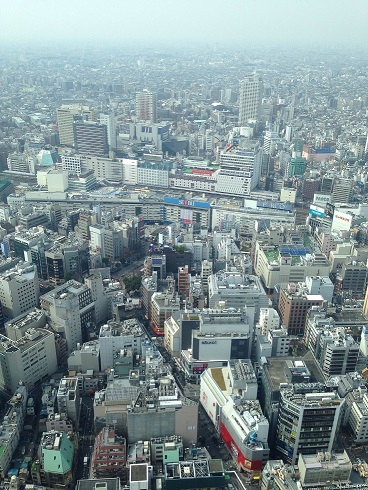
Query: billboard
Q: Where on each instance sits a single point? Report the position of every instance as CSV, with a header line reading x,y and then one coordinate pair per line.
x,y
275,205
321,199
316,211
329,211
341,221
187,203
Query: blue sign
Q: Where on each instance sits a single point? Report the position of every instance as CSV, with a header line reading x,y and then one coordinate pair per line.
x,y
185,202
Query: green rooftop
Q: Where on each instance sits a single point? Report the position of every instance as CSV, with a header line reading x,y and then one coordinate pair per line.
x,y
295,259
272,255
59,457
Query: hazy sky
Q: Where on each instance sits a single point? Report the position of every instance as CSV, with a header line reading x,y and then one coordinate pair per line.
x,y
192,21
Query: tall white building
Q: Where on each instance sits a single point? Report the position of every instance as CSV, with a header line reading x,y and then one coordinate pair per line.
x,y
240,170
115,336
30,359
250,98
146,106
69,308
110,122
19,290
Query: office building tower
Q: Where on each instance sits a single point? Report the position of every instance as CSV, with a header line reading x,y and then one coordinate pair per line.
x,y
250,98
233,289
19,290
69,308
109,121
66,116
342,190
108,242
90,138
294,303
31,358
68,400
309,417
240,170
146,106
334,349
115,336
68,259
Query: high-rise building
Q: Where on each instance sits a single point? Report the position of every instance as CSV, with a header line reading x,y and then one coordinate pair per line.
x,y
30,359
250,98
240,169
335,350
109,121
115,336
294,303
309,417
233,289
90,138
108,242
11,428
66,115
19,290
146,106
69,308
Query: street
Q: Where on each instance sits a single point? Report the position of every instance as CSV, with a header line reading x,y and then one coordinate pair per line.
x,y
86,438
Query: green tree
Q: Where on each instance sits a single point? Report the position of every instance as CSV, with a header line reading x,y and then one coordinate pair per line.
x,y
133,283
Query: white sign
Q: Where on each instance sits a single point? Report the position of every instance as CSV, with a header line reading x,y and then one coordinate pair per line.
x,y
341,221
321,198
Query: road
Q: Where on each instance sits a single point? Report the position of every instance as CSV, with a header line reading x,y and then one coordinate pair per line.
x,y
86,438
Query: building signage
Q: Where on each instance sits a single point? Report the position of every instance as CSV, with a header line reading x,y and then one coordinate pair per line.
x,y
185,202
321,198
274,205
341,221
316,211
209,342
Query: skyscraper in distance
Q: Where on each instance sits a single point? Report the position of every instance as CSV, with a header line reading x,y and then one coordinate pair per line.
x,y
66,116
146,106
250,98
110,122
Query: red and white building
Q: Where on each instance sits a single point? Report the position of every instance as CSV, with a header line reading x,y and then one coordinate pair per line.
x,y
228,395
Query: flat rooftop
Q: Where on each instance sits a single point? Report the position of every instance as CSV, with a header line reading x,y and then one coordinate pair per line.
x,y
218,376
138,472
99,484
276,369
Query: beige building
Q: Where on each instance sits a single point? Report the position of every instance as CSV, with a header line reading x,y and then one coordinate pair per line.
x,y
286,263
66,115
323,469
19,290
30,359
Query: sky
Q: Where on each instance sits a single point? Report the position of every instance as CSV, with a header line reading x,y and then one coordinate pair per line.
x,y
192,22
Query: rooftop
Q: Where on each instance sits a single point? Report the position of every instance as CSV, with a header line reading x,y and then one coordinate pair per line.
x,y
138,472
99,484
